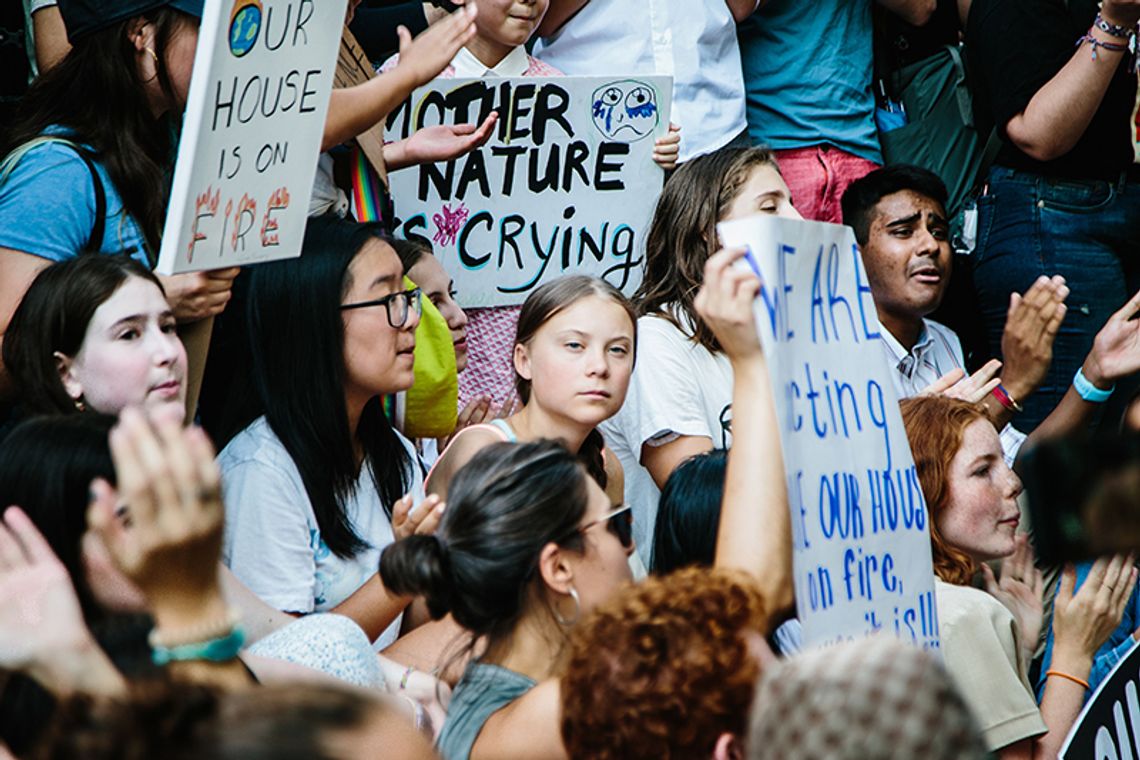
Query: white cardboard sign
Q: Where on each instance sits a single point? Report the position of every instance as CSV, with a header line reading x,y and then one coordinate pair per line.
x,y
251,137
566,184
862,555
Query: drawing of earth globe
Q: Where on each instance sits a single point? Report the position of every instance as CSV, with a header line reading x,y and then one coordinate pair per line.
x,y
245,24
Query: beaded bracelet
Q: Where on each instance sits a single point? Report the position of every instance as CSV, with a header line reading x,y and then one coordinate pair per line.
x,y
220,649
210,629
1110,28
1095,43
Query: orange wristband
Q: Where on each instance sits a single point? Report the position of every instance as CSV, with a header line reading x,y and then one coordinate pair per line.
x,y
1074,679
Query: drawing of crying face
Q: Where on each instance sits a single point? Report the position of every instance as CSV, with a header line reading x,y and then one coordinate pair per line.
x,y
625,111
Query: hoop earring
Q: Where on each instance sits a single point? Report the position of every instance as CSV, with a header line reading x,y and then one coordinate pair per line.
x,y
153,54
577,610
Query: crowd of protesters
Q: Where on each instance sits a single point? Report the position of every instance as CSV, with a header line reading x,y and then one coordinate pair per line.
x,y
596,561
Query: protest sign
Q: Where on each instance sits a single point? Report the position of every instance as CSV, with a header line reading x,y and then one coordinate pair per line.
x,y
862,557
1109,726
255,115
566,184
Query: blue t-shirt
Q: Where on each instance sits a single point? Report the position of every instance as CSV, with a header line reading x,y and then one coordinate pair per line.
x,y
808,75
47,207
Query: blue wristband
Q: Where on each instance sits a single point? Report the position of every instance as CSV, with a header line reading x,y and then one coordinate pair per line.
x,y
221,649
1090,392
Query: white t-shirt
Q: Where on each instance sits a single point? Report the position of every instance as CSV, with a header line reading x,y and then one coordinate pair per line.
x,y
678,388
694,41
272,542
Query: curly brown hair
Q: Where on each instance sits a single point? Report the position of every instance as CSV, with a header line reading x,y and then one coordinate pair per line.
x,y
935,426
665,669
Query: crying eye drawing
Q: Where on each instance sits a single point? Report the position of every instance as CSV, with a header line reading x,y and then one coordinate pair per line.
x,y
639,102
625,111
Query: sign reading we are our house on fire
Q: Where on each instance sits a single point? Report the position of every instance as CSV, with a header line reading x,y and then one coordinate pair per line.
x,y
251,136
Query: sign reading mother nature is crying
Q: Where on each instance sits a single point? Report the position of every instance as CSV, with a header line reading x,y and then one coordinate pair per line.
x,y
565,185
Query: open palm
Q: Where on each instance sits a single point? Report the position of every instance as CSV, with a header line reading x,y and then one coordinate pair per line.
x,y
39,611
1116,348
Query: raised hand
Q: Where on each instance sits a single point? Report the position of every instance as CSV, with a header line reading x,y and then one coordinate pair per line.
x,y
1031,326
975,388
1116,349
172,487
430,53
42,631
1083,621
1020,590
444,142
421,520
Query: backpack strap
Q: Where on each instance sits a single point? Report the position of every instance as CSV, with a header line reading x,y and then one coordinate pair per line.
x,y
95,239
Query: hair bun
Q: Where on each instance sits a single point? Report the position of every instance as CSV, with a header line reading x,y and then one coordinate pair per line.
x,y
419,566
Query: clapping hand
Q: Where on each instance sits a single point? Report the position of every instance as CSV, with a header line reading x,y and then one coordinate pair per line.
x,y
1020,590
1082,622
1116,349
1031,326
974,389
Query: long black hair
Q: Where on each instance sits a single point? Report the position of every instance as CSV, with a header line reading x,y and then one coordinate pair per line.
x,y
53,316
688,513
96,94
297,343
503,507
46,467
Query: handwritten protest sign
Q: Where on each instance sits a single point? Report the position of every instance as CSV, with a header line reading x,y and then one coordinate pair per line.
x,y
862,551
566,184
251,137
1109,726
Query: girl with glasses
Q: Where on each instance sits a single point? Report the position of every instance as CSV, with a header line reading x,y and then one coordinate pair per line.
x,y
529,543
313,485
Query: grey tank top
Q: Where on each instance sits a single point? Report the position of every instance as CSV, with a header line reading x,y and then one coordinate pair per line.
x,y
482,691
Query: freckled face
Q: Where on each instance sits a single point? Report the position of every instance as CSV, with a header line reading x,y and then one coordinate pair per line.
x,y
982,515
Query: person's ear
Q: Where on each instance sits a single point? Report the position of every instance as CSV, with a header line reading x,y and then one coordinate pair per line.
x,y
141,34
65,365
522,362
728,748
556,569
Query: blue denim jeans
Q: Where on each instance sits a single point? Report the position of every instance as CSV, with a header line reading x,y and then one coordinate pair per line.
x,y
1087,231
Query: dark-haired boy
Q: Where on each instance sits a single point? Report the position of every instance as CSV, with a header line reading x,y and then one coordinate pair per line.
x,y
899,217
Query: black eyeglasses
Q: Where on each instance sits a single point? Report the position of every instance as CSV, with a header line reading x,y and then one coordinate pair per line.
x,y
619,522
397,305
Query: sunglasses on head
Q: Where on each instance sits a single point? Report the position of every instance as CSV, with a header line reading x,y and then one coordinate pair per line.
x,y
619,522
